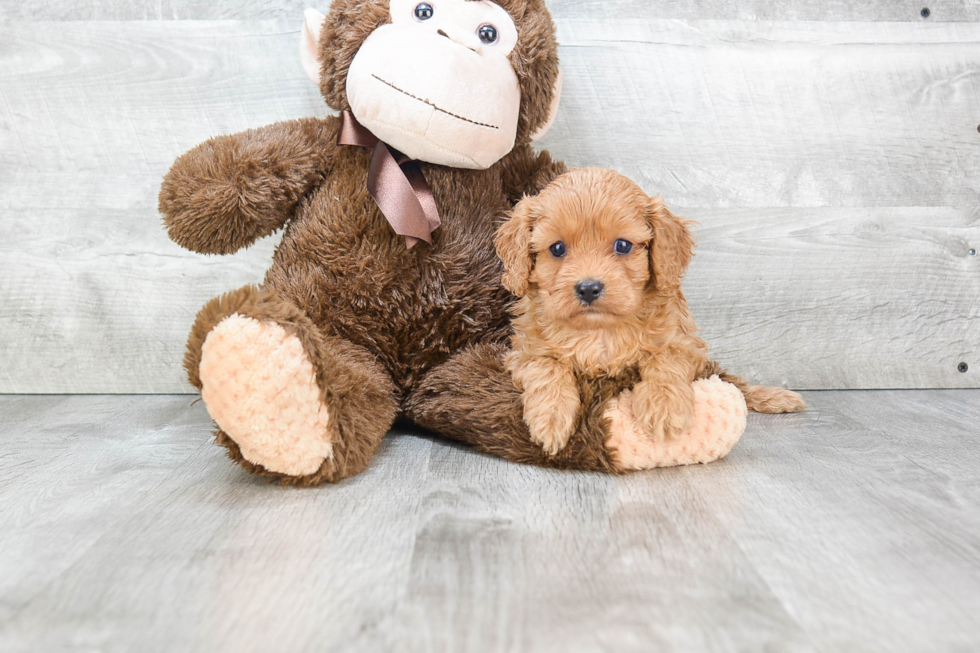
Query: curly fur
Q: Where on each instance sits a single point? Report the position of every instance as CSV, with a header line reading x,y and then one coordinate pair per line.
x,y
390,332
640,322
376,320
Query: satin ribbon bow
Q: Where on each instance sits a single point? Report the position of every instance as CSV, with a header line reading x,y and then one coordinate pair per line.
x,y
396,183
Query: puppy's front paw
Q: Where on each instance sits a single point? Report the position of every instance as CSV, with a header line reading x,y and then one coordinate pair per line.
x,y
551,423
551,399
664,411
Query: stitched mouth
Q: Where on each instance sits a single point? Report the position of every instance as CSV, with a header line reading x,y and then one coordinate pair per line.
x,y
439,109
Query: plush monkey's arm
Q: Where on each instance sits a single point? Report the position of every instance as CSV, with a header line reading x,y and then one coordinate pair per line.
x,y
229,191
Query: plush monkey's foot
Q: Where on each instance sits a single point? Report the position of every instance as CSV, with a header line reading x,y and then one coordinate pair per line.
x,y
719,421
260,388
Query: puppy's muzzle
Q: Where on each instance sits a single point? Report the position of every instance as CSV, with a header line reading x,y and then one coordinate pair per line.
x,y
589,290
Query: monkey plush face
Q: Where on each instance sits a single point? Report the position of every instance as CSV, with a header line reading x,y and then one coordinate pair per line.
x,y
436,83
451,82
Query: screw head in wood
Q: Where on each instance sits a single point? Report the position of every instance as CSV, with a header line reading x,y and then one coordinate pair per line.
x,y
925,12
963,367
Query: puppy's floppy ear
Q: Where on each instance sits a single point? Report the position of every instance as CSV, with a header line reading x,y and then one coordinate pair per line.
x,y
513,242
672,247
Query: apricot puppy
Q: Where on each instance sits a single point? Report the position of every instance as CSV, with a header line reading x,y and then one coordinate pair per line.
x,y
598,266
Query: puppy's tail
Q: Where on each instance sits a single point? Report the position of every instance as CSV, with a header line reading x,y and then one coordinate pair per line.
x,y
758,398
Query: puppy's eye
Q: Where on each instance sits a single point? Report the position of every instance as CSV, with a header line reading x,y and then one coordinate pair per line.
x,y
558,249
623,246
488,34
423,11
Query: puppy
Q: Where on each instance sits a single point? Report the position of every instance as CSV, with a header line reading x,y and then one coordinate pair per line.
x,y
598,266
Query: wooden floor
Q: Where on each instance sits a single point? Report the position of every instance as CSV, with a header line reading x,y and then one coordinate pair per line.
x,y
852,527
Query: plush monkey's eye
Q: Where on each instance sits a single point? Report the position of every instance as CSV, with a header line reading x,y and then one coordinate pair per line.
x,y
423,11
623,246
558,249
488,34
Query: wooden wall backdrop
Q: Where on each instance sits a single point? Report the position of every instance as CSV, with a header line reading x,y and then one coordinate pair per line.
x,y
829,150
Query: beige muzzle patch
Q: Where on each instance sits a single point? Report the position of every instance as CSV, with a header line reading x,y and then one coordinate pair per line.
x,y
434,99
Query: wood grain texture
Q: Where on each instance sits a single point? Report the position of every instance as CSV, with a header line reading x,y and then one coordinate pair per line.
x,y
854,526
829,10
831,165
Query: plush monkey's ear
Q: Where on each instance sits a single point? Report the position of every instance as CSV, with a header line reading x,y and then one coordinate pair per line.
x,y
513,242
309,44
672,247
552,111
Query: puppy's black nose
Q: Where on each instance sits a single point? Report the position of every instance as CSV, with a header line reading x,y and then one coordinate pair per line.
x,y
589,290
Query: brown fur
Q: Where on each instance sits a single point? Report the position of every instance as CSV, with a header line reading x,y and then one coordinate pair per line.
x,y
472,398
374,317
640,322
759,398
352,383
390,331
232,190
535,58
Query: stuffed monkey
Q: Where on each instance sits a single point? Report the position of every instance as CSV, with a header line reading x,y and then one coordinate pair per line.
x,y
384,299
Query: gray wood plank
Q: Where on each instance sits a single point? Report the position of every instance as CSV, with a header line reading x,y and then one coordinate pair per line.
x,y
88,461
830,165
830,10
740,114
854,526
858,514
229,525
839,297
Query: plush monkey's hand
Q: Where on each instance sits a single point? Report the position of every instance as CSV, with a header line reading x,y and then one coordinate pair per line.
x,y
663,410
228,192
